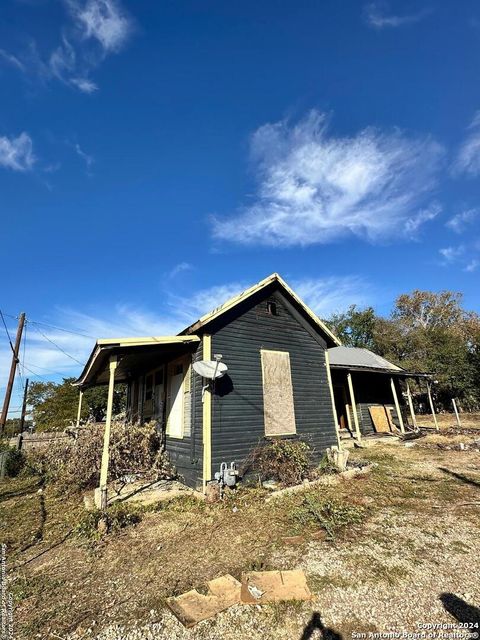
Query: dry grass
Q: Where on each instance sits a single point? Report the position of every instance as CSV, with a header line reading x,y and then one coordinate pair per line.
x,y
446,420
64,583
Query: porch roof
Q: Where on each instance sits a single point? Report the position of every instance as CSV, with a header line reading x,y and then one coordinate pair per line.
x,y
134,354
357,359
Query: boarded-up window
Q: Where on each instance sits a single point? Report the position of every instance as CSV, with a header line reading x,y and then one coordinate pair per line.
x,y
279,414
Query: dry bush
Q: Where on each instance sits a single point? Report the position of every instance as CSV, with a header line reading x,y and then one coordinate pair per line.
x,y
286,461
75,464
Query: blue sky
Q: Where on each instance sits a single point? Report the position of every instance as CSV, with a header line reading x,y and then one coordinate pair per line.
x,y
155,157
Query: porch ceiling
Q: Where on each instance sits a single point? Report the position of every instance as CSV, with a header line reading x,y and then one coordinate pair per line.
x,y
135,355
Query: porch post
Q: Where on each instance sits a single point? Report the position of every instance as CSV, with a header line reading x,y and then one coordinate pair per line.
x,y
397,405
430,400
332,396
207,418
410,404
354,406
457,416
80,398
102,498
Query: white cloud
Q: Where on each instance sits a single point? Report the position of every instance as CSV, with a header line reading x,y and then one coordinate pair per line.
x,y
12,60
84,84
451,254
96,28
179,268
472,266
333,294
316,188
89,160
467,160
413,224
190,308
103,20
461,221
17,153
377,17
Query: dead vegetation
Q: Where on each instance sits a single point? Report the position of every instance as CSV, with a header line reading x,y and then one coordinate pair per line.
x,y
397,533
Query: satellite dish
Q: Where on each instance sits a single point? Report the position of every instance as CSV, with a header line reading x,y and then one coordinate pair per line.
x,y
210,369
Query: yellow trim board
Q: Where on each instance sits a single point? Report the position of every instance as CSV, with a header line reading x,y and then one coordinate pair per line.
x,y
207,418
147,340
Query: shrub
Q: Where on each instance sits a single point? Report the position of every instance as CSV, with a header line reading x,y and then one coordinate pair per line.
x,y
75,464
118,516
286,461
331,515
15,460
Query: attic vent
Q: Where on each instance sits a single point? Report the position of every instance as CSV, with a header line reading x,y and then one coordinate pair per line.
x,y
272,308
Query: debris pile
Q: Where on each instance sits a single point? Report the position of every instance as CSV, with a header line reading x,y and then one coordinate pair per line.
x,y
257,587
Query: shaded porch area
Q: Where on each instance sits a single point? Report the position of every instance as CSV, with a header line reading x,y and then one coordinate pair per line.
x,y
157,372
373,396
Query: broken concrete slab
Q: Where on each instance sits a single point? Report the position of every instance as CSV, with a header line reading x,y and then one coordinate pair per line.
x,y
193,607
260,587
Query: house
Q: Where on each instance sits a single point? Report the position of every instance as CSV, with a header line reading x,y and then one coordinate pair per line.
x,y
371,394
287,376
277,383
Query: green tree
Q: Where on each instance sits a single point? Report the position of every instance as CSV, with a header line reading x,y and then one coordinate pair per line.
x,y
55,406
355,327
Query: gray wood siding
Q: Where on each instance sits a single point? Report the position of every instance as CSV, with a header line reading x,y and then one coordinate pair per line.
x,y
237,404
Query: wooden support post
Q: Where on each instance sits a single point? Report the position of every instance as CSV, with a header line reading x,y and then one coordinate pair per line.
x,y
430,400
332,396
410,404
354,406
397,405
79,412
106,437
457,416
13,369
207,418
24,407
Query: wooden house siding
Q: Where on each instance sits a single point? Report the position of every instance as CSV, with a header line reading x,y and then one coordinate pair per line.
x,y
237,404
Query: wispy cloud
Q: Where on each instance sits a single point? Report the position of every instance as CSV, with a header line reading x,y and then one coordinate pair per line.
x,y
461,221
103,20
472,266
12,60
377,16
17,153
467,160
333,294
88,159
95,29
181,267
414,223
452,253
316,188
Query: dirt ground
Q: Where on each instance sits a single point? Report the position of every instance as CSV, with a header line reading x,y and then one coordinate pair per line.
x,y
409,558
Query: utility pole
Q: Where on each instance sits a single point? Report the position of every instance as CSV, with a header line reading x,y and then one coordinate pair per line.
x,y
24,407
13,368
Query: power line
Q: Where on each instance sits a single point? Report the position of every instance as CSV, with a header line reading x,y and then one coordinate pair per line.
x,y
52,326
6,329
59,348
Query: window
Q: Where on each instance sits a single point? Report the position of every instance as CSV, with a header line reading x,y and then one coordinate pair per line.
x,y
148,388
272,308
158,377
278,409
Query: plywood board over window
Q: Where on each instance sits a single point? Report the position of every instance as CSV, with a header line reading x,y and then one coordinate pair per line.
x,y
279,413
